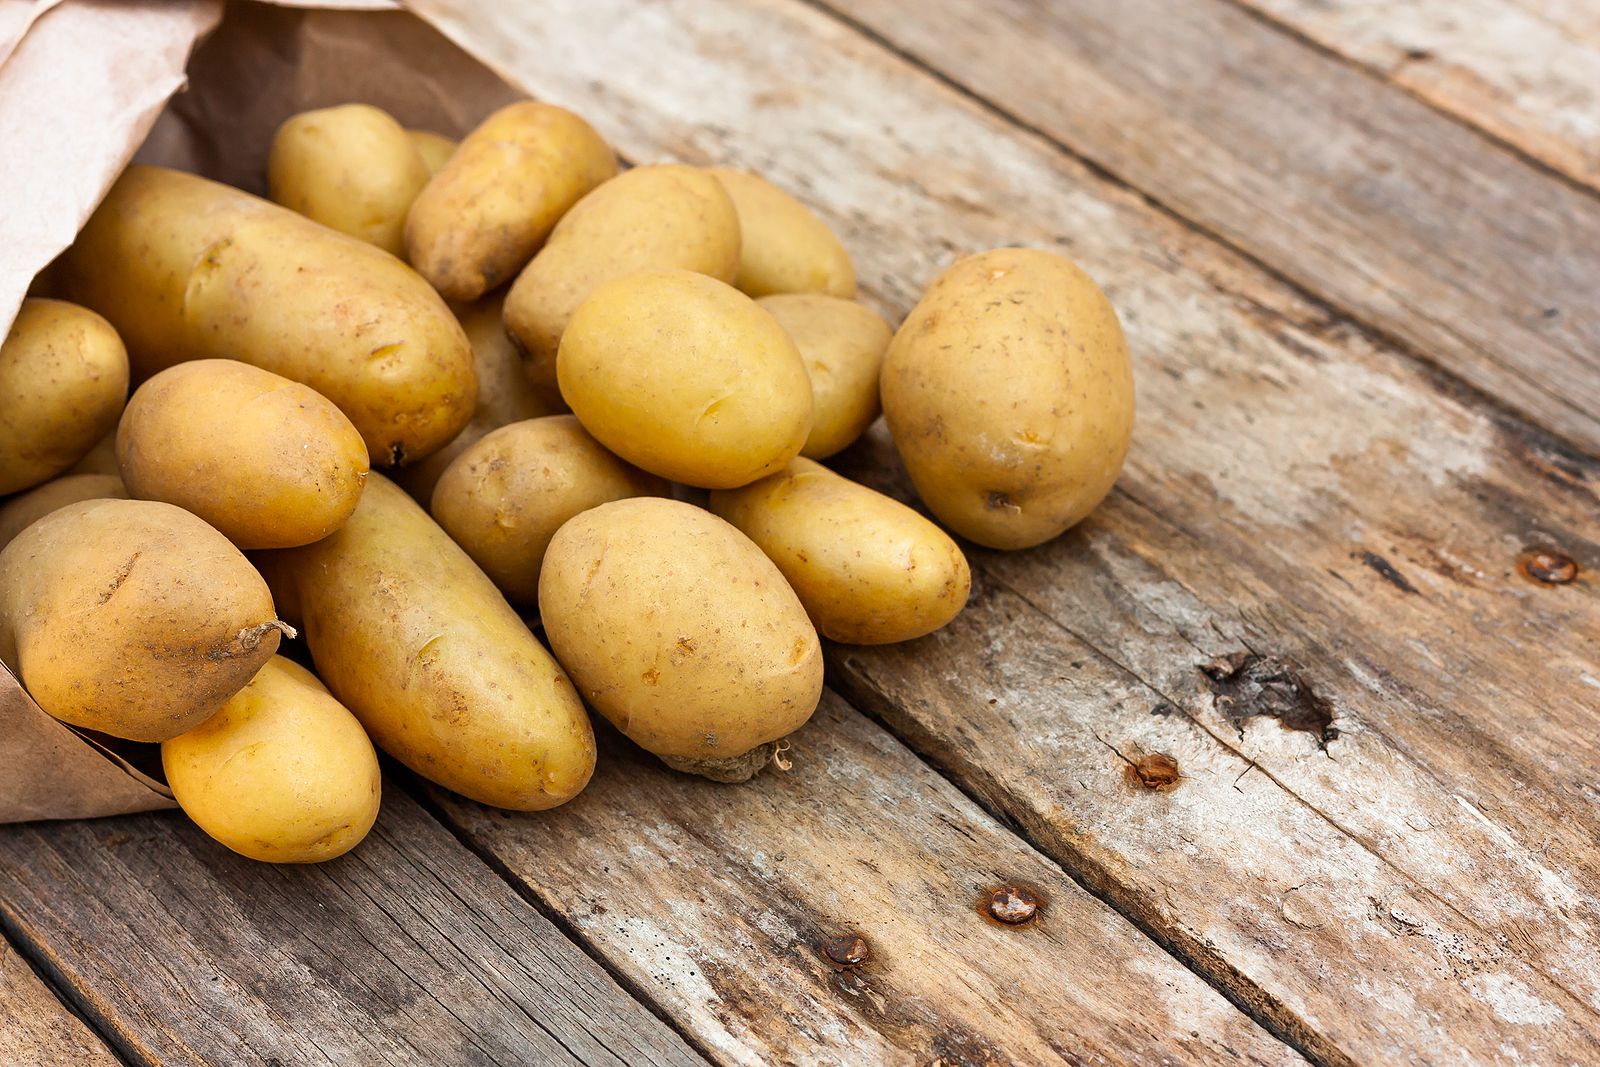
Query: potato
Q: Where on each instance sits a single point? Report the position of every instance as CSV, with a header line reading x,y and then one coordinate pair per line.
x,y
842,345
25,509
132,617
869,570
657,218
409,634
677,629
188,269
268,462
784,248
63,379
101,459
500,193
434,148
505,497
282,773
686,377
1009,394
352,168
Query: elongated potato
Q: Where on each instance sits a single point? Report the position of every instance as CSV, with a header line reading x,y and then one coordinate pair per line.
x,y
434,148
63,379
281,773
677,629
409,634
686,377
269,462
842,344
131,617
188,269
784,248
868,569
662,217
499,195
1009,393
25,509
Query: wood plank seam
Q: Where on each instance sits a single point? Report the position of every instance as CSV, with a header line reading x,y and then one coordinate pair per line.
x,y
18,947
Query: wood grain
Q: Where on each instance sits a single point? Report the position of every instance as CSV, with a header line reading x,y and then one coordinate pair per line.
x,y
36,1029
408,950
721,900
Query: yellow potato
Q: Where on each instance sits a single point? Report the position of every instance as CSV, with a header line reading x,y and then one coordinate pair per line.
x,y
25,509
842,344
101,459
282,773
63,379
187,269
677,629
1009,394
409,634
352,168
434,148
649,218
785,248
131,617
499,195
686,377
505,497
269,462
868,569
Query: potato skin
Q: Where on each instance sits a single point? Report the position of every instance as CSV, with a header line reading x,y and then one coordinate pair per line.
x,y
784,248
684,376
269,462
842,345
411,636
187,268
1009,393
282,773
677,629
63,380
131,617
504,498
25,509
660,217
352,168
434,148
498,196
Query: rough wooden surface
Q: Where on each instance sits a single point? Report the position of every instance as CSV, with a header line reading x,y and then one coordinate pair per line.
x,y
36,1029
720,901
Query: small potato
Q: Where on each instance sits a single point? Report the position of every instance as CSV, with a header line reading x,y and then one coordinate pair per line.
x,y
649,218
785,248
101,459
352,168
686,377
132,617
1009,394
842,344
434,148
677,629
497,197
869,570
269,462
282,773
25,509
63,380
504,498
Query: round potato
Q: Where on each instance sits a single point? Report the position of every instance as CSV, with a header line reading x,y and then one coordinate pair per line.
x,y
869,570
25,509
132,617
842,345
352,168
281,773
649,218
411,637
269,462
504,498
1009,394
63,380
187,269
784,247
434,148
686,377
500,193
677,629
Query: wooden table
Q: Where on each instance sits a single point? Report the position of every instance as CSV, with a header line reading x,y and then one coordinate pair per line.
x,y
1356,247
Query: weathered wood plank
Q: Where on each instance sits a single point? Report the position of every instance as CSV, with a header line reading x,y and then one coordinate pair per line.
x,y
36,1029
721,900
408,950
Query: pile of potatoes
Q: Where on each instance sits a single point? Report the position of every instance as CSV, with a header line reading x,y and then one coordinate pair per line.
x,y
602,396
